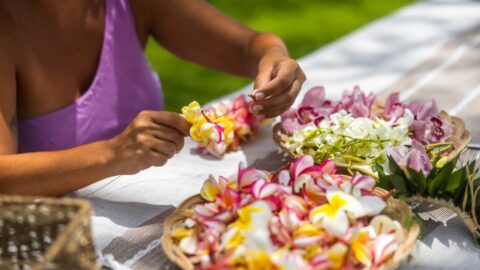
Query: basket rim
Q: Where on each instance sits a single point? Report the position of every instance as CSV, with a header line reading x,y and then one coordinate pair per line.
x,y
174,253
84,210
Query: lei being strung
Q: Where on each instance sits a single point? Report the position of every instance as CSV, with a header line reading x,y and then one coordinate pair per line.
x,y
303,217
222,126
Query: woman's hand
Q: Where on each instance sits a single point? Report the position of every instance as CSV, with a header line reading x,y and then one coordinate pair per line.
x,y
150,139
277,84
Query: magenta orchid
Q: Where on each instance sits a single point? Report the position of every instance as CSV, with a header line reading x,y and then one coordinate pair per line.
x,y
358,133
428,125
415,158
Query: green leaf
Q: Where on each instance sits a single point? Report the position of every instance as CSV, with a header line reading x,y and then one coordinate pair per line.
x,y
383,181
419,178
440,178
394,168
399,185
454,182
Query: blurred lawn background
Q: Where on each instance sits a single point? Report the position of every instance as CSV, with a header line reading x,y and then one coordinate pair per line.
x,y
304,25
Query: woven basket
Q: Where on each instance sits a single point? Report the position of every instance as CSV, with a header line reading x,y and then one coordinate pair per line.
x,y
396,209
459,139
45,233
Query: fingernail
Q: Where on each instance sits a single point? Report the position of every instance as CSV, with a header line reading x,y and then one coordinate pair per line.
x,y
257,108
259,95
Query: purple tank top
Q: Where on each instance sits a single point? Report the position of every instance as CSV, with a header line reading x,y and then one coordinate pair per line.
x,y
123,86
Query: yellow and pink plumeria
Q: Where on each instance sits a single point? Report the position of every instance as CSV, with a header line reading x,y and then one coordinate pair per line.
x,y
304,216
222,126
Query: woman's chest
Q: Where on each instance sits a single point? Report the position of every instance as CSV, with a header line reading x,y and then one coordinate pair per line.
x,y
57,63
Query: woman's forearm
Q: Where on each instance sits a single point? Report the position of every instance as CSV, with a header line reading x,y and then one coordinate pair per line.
x,y
57,172
261,44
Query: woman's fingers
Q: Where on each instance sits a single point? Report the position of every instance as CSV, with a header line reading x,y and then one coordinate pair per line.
x,y
276,105
281,78
170,119
172,135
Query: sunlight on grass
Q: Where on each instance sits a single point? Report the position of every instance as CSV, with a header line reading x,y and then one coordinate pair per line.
x,y
305,25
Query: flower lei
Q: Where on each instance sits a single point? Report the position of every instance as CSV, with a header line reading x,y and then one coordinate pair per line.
x,y
303,217
222,126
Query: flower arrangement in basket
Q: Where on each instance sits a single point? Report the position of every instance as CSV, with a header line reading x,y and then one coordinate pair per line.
x,y
358,131
412,149
222,126
304,216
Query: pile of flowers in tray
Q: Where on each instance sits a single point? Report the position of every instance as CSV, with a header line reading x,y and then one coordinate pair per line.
x,y
222,126
304,216
359,132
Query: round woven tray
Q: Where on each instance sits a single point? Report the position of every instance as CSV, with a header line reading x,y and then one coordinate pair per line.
x,y
396,209
459,139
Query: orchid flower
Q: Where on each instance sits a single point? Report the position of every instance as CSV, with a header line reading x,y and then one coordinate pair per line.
x,y
428,127
415,158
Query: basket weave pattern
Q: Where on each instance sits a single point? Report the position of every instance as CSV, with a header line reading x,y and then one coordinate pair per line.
x,y
45,234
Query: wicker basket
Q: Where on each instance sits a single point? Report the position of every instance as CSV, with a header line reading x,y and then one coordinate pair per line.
x,y
396,209
459,139
45,233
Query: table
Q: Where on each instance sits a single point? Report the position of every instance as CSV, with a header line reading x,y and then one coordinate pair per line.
x,y
430,49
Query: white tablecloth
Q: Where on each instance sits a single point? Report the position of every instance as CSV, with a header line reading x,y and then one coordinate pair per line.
x,y
430,49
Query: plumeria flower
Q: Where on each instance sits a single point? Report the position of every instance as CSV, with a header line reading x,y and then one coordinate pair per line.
x,y
384,247
289,260
361,187
222,126
303,173
336,255
253,220
251,228
334,215
360,245
383,224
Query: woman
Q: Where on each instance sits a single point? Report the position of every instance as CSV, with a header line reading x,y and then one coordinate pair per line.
x,y
78,102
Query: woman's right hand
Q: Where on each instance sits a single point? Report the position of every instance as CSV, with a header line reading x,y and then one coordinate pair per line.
x,y
150,139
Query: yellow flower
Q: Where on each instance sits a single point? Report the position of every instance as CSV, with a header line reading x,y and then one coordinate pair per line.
x,y
180,233
252,260
359,247
192,112
250,228
337,254
210,189
332,216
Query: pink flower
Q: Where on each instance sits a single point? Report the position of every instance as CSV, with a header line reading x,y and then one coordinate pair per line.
x,y
314,108
357,103
416,158
427,127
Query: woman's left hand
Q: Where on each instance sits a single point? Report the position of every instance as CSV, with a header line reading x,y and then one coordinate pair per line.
x,y
277,84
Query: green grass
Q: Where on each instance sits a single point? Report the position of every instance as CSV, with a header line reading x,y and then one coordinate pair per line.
x,y
304,25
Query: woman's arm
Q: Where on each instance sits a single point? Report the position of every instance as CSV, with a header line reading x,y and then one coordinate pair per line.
x,y
198,32
150,140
